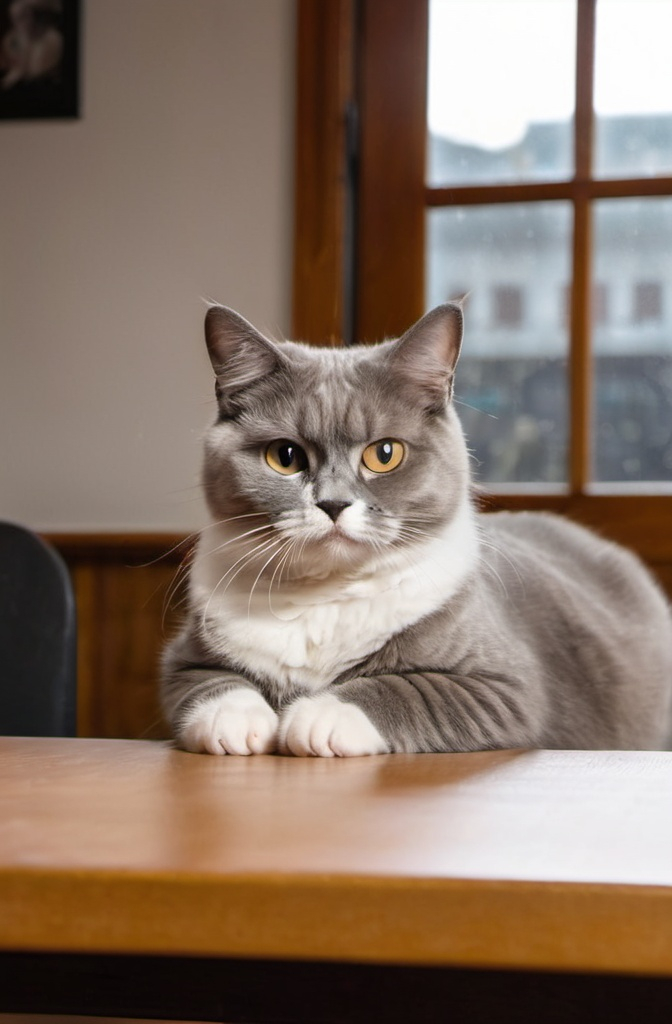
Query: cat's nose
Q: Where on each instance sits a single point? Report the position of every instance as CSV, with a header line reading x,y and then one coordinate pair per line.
x,y
333,508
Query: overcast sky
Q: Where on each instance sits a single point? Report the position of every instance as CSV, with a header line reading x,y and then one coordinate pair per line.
x,y
497,65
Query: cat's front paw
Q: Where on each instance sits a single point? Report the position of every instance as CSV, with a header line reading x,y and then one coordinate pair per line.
x,y
235,722
324,726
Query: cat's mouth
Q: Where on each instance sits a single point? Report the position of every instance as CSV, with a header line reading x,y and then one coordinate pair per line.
x,y
337,535
336,540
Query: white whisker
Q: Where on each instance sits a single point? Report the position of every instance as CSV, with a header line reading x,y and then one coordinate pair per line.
x,y
281,565
502,554
246,560
283,542
240,537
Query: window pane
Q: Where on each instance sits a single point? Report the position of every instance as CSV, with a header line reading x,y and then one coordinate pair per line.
x,y
500,90
633,88
511,386
633,343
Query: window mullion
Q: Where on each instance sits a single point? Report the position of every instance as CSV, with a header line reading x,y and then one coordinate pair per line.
x,y
580,350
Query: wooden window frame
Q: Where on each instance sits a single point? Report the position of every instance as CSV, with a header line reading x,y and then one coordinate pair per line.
x,y
369,56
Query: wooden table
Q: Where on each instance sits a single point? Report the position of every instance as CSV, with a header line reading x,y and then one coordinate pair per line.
x,y
136,879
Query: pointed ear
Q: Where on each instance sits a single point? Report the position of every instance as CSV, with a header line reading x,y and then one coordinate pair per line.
x,y
239,355
427,353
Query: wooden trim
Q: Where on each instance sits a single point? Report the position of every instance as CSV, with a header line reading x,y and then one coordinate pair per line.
x,y
619,188
325,87
641,522
391,219
474,195
543,191
115,546
86,579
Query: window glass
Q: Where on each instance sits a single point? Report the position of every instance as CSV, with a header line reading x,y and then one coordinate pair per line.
x,y
633,347
511,385
500,90
600,301
633,88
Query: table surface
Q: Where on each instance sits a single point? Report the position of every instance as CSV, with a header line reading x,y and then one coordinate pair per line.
x,y
523,859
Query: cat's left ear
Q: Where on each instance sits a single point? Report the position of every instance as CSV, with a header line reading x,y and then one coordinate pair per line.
x,y
239,354
426,355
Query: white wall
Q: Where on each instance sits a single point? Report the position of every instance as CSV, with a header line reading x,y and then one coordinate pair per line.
x,y
174,185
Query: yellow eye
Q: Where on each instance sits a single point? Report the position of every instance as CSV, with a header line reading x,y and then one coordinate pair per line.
x,y
286,457
383,456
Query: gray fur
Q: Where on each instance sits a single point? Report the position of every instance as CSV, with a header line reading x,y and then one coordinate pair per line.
x,y
556,637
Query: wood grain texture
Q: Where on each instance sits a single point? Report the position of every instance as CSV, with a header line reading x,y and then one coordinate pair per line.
x,y
391,220
542,191
128,592
123,587
324,87
642,523
541,859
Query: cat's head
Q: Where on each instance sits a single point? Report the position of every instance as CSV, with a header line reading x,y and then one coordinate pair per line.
x,y
345,454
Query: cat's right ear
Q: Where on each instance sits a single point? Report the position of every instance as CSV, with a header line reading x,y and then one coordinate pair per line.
x,y
239,354
427,353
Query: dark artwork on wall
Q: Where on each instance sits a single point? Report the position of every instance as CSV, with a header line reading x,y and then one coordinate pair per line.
x,y
39,58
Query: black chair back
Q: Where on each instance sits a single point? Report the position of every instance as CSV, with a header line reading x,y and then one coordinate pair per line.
x,y
38,661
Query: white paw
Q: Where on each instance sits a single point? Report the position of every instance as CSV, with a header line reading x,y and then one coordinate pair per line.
x,y
236,722
324,726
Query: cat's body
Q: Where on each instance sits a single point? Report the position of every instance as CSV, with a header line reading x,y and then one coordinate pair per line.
x,y
347,598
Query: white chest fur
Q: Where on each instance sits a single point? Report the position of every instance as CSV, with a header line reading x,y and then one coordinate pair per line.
x,y
307,633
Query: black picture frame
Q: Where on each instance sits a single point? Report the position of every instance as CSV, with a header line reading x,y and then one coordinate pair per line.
x,y
39,59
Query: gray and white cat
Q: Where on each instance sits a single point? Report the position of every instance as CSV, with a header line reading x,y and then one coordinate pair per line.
x,y
347,598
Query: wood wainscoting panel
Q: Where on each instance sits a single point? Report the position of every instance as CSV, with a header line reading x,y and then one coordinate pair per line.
x,y
128,591
128,601
640,522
